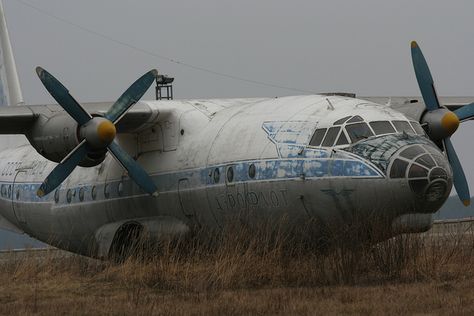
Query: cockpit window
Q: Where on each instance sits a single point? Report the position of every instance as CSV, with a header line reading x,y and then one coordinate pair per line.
x,y
331,136
358,131
340,121
417,127
382,127
403,126
342,139
356,118
318,137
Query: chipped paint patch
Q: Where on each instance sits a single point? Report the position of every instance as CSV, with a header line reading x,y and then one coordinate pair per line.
x,y
290,132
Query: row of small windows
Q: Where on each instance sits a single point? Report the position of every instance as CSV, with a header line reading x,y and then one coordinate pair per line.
x,y
216,174
336,135
6,191
71,193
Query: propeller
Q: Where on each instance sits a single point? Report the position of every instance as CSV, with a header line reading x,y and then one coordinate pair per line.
x,y
441,122
97,133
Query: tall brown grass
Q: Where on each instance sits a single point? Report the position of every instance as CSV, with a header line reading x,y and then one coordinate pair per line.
x,y
239,258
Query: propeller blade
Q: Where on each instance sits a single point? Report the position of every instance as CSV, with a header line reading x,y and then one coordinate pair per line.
x,y
466,112
459,179
423,76
61,94
131,96
63,169
135,171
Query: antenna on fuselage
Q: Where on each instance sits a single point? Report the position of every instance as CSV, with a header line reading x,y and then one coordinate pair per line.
x,y
330,106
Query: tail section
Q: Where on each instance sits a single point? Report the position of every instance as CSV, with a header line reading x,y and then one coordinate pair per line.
x,y
10,91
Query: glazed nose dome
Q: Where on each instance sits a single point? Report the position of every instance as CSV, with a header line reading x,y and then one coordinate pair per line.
x,y
427,170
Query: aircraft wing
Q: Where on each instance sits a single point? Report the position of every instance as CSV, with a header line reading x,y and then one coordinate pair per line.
x,y
452,103
414,107
16,119
19,119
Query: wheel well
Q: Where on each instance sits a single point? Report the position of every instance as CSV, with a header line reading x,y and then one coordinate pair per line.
x,y
126,242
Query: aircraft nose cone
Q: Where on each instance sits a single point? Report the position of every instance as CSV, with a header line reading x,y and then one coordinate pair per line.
x,y
427,172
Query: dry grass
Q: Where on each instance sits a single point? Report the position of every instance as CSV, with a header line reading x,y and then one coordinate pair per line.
x,y
245,271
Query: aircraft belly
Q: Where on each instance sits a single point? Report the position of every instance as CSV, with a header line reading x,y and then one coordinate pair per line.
x,y
326,199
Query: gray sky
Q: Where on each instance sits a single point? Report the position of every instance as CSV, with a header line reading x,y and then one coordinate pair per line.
x,y
358,46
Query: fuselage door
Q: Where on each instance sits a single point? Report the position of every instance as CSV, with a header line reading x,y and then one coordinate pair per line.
x,y
17,191
186,198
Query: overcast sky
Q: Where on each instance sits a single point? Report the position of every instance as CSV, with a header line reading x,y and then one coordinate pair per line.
x,y
358,46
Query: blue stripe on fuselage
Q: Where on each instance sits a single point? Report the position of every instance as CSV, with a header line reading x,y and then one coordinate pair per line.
x,y
265,170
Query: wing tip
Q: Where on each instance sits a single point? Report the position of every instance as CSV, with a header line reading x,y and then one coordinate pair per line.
x,y
414,44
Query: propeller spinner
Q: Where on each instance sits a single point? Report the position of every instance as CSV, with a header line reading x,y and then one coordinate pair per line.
x,y
97,133
441,122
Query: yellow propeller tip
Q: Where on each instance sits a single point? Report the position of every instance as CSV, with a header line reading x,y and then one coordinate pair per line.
x,y
466,202
40,193
414,44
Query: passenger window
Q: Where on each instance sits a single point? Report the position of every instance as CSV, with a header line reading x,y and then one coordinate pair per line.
x,y
356,118
340,121
358,131
252,171
69,196
94,192
417,127
230,174
382,127
342,139
403,126
81,194
217,175
120,189
317,137
106,191
331,136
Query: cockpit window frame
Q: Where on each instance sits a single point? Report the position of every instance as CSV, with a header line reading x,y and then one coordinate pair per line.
x,y
318,144
412,131
342,120
415,126
330,139
342,139
355,119
344,124
377,131
356,138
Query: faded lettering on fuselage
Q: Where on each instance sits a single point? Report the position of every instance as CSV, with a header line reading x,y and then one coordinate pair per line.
x,y
265,199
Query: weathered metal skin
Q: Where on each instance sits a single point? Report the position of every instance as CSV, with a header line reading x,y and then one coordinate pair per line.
x,y
54,136
214,161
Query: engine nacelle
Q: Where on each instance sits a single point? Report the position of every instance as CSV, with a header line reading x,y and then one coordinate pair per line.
x,y
56,136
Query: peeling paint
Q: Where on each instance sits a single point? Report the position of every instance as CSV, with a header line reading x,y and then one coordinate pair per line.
x,y
380,149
